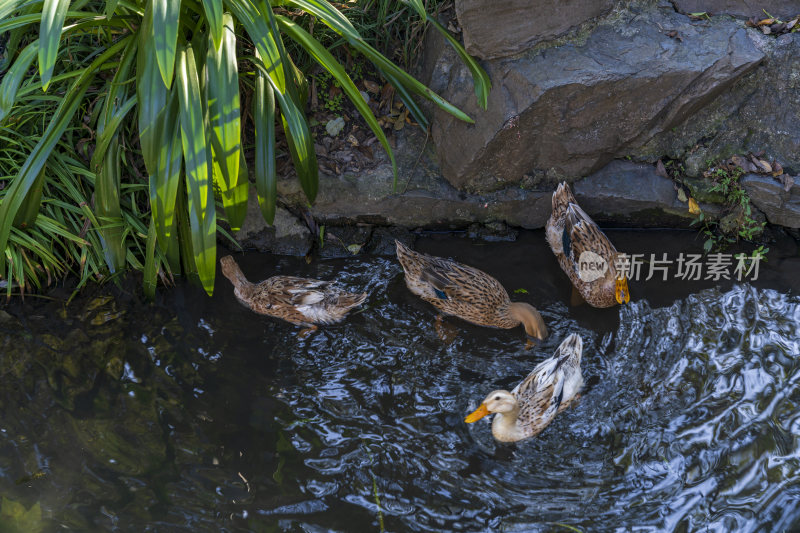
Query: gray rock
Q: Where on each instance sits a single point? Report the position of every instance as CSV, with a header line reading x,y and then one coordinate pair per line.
x,y
767,194
758,113
524,23
741,8
570,110
287,236
423,198
634,194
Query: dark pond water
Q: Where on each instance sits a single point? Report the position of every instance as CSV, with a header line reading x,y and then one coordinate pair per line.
x,y
194,414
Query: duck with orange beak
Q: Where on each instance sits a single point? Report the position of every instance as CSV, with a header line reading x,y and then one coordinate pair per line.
x,y
552,386
584,252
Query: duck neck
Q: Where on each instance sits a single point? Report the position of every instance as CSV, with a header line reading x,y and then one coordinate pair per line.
x,y
505,427
529,317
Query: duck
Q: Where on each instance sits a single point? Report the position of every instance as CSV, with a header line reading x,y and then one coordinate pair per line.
x,y
572,234
300,301
549,389
468,293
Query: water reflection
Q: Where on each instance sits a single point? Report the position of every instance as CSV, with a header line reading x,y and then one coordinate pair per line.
x,y
198,414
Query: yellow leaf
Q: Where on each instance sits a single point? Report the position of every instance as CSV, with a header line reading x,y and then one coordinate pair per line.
x,y
693,207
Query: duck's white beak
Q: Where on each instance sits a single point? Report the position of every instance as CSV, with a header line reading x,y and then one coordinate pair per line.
x,y
479,413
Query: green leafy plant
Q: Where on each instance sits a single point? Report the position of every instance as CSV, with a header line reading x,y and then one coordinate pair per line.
x,y
719,235
175,67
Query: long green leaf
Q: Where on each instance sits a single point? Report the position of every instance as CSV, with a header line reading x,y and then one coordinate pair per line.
x,y
109,132
260,24
166,14
164,182
150,273
106,162
14,76
264,119
202,214
295,125
21,186
222,92
234,200
32,18
29,209
7,7
480,79
216,22
111,7
335,20
53,14
151,92
326,59
108,210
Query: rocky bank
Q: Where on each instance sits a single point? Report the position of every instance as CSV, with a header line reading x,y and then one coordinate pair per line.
x,y
593,93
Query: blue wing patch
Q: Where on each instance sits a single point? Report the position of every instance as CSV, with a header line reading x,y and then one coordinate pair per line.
x,y
566,243
440,294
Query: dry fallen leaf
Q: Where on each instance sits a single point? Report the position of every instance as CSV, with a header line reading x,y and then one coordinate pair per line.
x,y
787,181
765,22
372,87
777,169
682,195
693,207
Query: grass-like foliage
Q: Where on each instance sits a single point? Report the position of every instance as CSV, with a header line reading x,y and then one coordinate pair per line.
x,y
159,80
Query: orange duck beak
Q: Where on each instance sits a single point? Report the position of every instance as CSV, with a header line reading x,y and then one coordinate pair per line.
x,y
621,292
476,415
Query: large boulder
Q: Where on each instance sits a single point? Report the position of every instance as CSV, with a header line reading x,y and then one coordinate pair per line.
x,y
569,110
524,23
741,8
757,114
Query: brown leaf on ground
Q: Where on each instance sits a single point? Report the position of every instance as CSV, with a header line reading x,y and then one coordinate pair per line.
x,y
400,122
372,87
762,166
787,181
766,22
387,95
777,169
693,207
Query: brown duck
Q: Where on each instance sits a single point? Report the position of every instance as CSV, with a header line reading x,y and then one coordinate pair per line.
x,y
301,301
466,292
571,233
552,386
